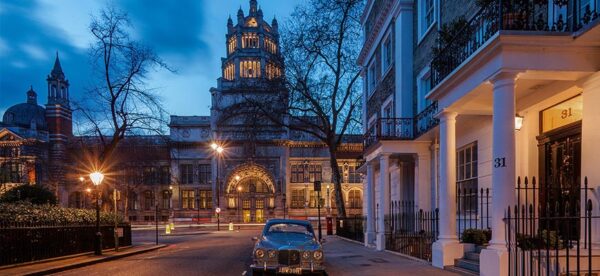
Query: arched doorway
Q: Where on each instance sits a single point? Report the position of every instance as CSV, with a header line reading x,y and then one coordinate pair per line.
x,y
251,192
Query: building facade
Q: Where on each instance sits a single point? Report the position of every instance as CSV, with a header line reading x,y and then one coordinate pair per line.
x,y
262,170
512,88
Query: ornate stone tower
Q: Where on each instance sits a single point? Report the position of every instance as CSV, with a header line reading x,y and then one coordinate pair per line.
x,y
60,126
252,69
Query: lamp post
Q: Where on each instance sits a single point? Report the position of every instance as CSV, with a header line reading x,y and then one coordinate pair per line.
x,y
284,206
97,178
219,151
239,189
198,205
328,201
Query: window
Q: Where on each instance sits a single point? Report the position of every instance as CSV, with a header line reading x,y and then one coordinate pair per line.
x,y
466,177
10,172
148,200
133,203
298,198
166,199
165,175
246,203
270,46
371,77
229,72
204,173
205,199
312,202
249,40
187,173
231,44
272,71
354,199
423,88
386,52
187,199
353,175
150,176
297,174
315,173
250,68
427,15
260,204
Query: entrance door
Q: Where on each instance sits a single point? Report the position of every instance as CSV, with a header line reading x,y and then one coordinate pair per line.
x,y
560,173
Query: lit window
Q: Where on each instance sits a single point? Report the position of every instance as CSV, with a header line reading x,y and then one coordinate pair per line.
x,y
249,40
187,199
466,177
272,71
250,69
231,44
354,199
270,46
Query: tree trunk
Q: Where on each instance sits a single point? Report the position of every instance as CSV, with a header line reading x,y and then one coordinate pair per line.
x,y
126,206
337,182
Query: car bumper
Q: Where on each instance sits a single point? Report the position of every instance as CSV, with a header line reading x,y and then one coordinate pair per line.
x,y
275,269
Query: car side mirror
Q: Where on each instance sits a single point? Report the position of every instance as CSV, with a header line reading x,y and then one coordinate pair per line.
x,y
254,238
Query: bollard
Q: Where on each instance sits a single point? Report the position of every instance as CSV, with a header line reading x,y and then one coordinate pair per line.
x,y
167,229
231,226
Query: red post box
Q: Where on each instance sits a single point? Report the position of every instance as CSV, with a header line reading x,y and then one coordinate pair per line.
x,y
329,226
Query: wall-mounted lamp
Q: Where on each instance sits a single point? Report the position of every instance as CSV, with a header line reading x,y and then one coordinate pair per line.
x,y
518,122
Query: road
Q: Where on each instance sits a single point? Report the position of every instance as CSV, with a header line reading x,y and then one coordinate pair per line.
x,y
210,253
229,253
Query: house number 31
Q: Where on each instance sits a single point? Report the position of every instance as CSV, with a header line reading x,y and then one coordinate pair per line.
x,y
500,162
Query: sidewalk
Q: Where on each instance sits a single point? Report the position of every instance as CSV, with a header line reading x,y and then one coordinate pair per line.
x,y
343,257
54,265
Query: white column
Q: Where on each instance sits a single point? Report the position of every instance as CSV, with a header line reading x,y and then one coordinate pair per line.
x,y
590,135
370,232
447,248
422,183
495,257
384,198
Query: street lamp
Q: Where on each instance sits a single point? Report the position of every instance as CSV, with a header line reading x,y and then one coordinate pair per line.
x,y
219,150
284,207
97,178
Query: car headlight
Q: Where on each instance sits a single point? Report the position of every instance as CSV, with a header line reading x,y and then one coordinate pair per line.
x,y
272,254
259,253
306,255
318,255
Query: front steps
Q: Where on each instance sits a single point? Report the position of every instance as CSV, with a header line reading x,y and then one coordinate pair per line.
x,y
468,264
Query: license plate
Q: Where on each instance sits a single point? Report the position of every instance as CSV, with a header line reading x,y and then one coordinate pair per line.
x,y
290,270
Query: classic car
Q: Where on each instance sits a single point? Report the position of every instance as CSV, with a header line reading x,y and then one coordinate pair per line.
x,y
287,246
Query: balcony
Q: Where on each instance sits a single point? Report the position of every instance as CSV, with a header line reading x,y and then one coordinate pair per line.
x,y
402,128
557,16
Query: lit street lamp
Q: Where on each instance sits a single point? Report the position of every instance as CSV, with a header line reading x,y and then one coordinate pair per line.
x,y
239,188
219,150
97,178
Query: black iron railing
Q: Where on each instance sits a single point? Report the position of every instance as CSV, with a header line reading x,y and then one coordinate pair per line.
x,y
21,242
551,236
518,15
410,231
473,209
402,128
351,227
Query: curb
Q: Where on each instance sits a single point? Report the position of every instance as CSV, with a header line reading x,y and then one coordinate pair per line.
x,y
91,262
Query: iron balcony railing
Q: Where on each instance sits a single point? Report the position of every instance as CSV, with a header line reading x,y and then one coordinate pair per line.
x,y
519,15
402,128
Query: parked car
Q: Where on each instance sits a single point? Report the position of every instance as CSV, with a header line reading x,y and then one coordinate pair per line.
x,y
287,246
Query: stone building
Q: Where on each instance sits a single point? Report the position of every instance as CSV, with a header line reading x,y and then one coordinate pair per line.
x,y
263,170
480,93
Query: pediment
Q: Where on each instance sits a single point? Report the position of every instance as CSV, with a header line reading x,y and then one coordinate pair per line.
x,y
8,136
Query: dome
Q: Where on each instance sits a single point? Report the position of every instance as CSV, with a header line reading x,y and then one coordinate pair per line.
x,y
22,115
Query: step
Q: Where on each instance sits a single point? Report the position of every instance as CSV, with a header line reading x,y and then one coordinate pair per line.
x,y
478,248
467,264
472,256
460,270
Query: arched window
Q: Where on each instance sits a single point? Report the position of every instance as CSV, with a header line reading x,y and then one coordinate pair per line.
x,y
133,203
166,199
250,68
355,199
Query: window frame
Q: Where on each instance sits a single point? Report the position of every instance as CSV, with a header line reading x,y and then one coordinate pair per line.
x,y
423,28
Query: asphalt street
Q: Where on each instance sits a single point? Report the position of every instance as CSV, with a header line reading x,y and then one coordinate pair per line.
x,y
193,252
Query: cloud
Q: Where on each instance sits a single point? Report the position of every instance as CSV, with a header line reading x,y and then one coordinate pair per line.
x,y
34,52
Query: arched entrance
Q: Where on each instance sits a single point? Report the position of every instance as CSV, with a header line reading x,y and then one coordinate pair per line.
x,y
251,192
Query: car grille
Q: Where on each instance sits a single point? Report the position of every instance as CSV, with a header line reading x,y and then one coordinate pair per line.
x,y
289,257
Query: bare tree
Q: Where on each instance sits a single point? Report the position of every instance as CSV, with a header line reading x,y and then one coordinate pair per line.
x,y
119,103
320,45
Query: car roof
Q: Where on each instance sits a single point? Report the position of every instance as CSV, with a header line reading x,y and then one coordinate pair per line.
x,y
293,221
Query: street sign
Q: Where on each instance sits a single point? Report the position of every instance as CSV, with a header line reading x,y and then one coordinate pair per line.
x,y
317,186
218,210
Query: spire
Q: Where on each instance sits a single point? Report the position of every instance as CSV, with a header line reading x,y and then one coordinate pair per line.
x,y
240,15
275,25
229,21
259,13
31,96
57,71
253,4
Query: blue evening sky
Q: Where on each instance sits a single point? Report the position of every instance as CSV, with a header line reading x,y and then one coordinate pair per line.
x,y
188,34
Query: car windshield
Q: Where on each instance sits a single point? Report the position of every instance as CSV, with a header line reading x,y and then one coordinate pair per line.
x,y
289,228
